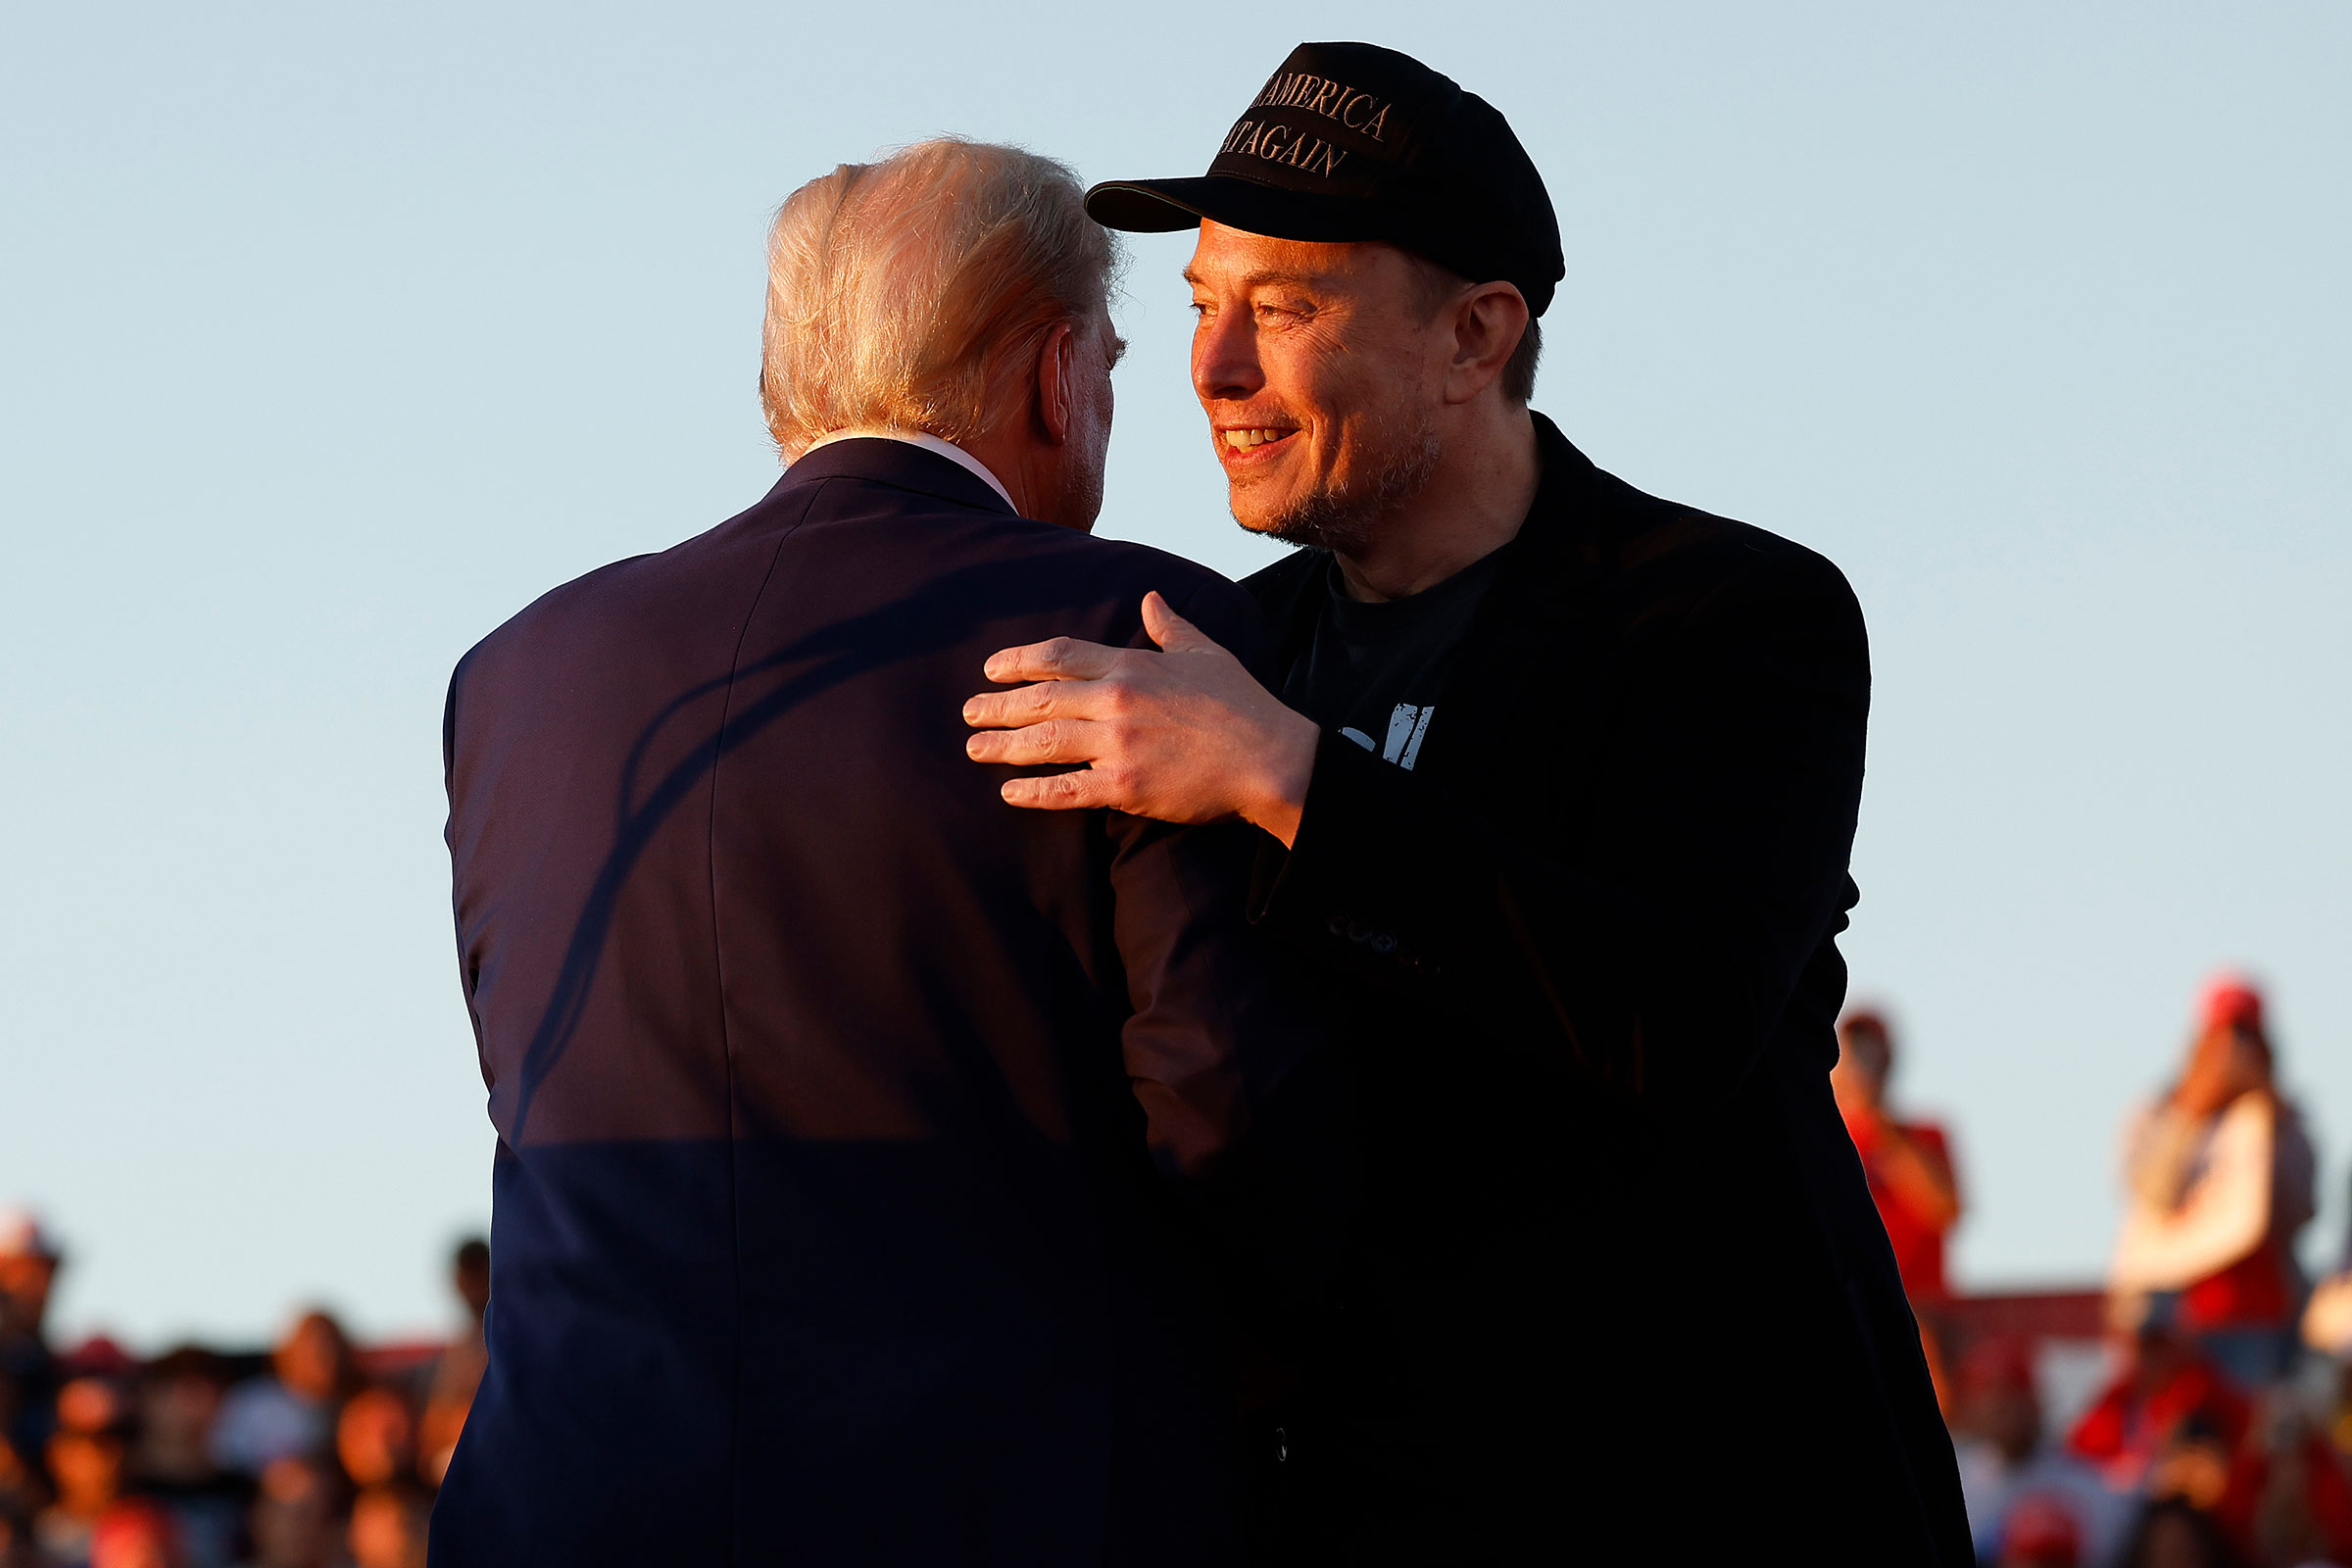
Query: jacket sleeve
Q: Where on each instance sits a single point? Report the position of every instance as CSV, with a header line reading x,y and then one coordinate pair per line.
x,y
1218,1023
1721,790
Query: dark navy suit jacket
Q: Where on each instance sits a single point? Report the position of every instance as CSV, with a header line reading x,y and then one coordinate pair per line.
x,y
850,1123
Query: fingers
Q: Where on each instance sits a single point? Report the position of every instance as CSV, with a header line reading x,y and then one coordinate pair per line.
x,y
1092,700
1026,705
1173,631
1057,659
1056,742
1058,792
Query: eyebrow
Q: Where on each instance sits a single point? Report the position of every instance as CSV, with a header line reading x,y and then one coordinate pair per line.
x,y
1267,275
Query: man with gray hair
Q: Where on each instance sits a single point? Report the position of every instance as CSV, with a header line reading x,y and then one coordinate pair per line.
x,y
854,1126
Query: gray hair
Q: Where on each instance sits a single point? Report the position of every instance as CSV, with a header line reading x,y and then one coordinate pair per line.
x,y
909,294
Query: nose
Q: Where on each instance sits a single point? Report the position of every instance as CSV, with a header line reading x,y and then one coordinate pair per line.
x,y
1225,366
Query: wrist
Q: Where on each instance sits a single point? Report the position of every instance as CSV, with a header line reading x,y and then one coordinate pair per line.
x,y
1287,765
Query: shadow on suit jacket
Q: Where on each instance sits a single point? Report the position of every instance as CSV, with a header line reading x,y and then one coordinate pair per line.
x,y
858,1133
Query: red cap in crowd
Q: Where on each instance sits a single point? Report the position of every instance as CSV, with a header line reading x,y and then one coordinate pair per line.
x,y
2230,999
2041,1530
99,1356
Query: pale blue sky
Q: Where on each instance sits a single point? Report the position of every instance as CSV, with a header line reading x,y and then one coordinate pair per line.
x,y
329,337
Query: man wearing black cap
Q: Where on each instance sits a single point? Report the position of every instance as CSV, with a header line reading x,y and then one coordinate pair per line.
x,y
1559,781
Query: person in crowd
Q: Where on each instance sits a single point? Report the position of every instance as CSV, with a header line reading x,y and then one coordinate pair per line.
x,y
2218,1175
2008,1466
296,1520
375,1437
2287,1500
289,1410
458,1370
178,1397
2194,1464
1908,1166
388,1526
2167,1395
136,1533
86,1454
30,1260
2173,1533
1908,1163
859,1137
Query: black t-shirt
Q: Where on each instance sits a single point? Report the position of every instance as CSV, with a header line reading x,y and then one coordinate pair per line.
x,y
1374,670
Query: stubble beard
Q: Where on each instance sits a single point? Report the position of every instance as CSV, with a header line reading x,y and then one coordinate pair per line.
x,y
1346,517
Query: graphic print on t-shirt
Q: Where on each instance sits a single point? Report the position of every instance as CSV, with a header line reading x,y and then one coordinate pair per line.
x,y
1407,723
1373,669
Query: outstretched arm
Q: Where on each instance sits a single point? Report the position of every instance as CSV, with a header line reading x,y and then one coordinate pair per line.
x,y
1660,958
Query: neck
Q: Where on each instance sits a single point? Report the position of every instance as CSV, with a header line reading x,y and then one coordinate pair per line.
x,y
1028,470
1472,505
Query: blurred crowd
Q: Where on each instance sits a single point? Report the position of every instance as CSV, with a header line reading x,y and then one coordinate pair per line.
x,y
310,1455
2221,1436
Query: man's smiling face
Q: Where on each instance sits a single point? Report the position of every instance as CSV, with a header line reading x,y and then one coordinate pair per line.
x,y
1315,364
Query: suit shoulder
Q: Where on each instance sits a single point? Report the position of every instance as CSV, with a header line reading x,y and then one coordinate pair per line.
x,y
614,606
1701,553
1200,594
1149,563
585,597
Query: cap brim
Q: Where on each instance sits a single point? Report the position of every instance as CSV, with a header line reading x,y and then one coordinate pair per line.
x,y
1164,206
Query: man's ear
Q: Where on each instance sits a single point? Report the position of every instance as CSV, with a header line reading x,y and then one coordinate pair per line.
x,y
1487,323
1056,383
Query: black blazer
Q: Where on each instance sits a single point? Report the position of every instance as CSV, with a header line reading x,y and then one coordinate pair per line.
x,y
837,1100
1618,1284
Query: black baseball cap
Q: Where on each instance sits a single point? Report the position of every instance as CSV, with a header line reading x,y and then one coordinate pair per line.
x,y
1351,141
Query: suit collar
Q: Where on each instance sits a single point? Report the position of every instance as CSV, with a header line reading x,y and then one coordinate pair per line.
x,y
1558,543
901,463
1557,552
